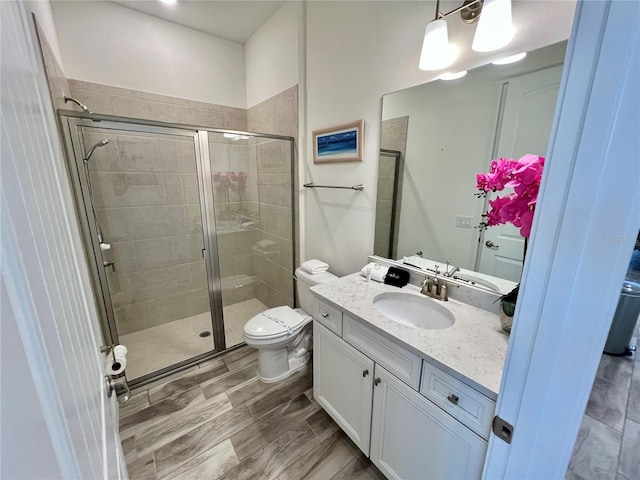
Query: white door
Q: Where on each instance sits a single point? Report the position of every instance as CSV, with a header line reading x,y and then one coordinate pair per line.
x,y
57,421
526,124
412,438
585,228
342,384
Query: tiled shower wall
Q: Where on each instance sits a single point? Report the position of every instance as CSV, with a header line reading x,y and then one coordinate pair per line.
x,y
254,228
123,102
393,136
274,269
147,202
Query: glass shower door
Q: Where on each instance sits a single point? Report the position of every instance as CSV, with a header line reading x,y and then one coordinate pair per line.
x,y
252,192
147,232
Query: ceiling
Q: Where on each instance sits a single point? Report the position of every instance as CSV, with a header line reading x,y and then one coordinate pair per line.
x,y
537,23
234,20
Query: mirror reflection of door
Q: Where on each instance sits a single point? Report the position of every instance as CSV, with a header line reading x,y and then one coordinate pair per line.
x,y
525,125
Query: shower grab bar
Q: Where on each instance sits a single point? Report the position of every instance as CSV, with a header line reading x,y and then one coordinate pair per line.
x,y
358,187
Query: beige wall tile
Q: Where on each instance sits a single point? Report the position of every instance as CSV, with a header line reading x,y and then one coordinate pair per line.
x,y
124,256
275,193
235,121
274,157
276,220
115,223
96,102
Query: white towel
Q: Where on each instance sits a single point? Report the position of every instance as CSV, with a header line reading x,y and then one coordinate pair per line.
x,y
378,272
314,266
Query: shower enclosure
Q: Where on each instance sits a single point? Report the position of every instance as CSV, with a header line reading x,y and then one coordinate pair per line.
x,y
189,230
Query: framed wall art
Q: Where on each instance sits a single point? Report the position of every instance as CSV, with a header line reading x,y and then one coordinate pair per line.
x,y
338,144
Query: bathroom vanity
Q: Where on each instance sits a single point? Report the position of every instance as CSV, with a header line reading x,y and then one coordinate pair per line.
x,y
419,402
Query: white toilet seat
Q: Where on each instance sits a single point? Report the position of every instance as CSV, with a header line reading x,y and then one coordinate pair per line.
x,y
275,324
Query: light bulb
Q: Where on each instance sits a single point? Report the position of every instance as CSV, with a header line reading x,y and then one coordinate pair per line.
x,y
437,52
495,28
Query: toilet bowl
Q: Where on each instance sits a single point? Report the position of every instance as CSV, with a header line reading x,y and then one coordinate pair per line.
x,y
282,335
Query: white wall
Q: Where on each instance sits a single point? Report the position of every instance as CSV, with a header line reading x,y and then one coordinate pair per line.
x,y
44,14
356,52
106,43
271,55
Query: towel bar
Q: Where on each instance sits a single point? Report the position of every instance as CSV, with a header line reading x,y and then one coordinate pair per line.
x,y
358,187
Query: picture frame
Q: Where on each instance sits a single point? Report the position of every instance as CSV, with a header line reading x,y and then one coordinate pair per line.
x,y
342,143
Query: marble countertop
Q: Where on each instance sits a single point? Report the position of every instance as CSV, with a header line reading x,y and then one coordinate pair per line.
x,y
473,349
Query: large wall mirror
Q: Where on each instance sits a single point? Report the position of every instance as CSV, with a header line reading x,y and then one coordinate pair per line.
x,y
435,138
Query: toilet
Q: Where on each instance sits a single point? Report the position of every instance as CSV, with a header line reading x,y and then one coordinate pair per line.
x,y
282,335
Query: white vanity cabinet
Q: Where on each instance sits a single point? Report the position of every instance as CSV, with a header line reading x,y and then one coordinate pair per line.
x,y
370,386
411,438
342,384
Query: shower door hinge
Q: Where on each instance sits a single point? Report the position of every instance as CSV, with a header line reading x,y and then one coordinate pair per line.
x,y
203,250
502,429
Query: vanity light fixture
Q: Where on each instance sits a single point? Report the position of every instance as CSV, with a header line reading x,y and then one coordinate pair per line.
x,y
437,52
511,59
453,76
494,31
170,2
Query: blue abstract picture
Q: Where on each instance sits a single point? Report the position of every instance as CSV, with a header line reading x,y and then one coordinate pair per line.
x,y
342,143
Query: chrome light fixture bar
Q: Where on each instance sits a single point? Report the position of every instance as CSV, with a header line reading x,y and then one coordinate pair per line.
x,y
494,31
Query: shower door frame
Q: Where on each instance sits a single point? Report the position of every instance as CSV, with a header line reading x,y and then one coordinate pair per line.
x,y
71,124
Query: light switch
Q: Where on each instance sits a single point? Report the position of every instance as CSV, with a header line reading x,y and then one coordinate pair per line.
x,y
463,222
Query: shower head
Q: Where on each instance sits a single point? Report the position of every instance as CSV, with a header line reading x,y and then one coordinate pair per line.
x,y
101,143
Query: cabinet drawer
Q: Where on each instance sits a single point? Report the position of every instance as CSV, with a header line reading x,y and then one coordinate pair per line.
x,y
463,402
397,360
329,316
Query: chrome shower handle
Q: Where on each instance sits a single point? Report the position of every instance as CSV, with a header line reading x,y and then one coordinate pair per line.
x,y
109,264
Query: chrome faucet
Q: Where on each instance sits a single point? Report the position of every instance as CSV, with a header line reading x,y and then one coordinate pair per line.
x,y
450,274
435,288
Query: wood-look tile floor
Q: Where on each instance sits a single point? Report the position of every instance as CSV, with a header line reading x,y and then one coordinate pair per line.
x,y
218,421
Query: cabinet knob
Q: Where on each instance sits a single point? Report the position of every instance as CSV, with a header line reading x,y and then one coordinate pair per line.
x,y
453,398
325,315
376,382
365,373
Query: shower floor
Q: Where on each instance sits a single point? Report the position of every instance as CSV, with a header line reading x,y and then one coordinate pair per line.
x,y
158,347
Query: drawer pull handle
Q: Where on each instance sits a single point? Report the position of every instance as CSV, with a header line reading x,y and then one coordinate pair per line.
x,y
453,398
365,373
325,315
376,382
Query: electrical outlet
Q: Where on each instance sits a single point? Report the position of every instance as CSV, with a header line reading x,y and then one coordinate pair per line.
x,y
463,222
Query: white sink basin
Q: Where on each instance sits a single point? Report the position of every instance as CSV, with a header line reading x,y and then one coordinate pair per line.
x,y
418,311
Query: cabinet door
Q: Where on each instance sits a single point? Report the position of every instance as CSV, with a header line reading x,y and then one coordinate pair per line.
x,y
342,384
411,438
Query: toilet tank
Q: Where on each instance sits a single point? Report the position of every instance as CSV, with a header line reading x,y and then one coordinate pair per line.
x,y
305,282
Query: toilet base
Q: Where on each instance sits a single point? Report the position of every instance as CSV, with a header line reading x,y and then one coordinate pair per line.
x,y
295,365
